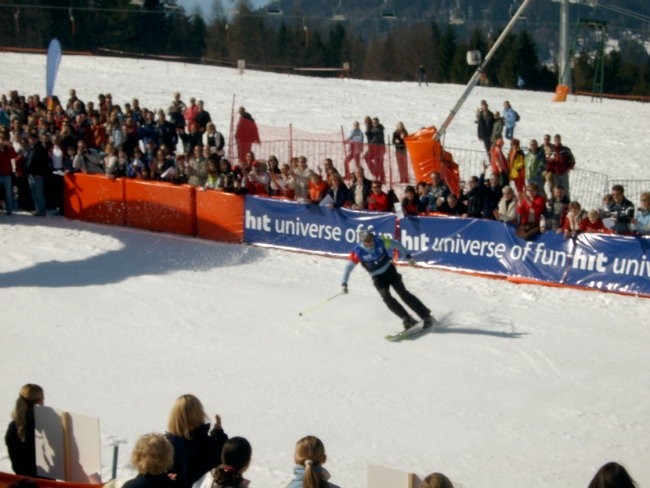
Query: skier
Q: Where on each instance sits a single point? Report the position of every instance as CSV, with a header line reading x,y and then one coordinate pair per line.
x,y
372,253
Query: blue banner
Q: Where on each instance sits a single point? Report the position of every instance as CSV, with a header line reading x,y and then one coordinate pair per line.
x,y
293,225
602,261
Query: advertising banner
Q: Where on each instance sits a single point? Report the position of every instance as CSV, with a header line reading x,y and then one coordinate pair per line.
x,y
292,225
602,261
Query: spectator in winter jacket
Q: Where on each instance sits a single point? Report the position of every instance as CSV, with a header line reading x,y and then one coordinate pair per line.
x,y
7,153
337,191
196,451
246,133
317,188
213,139
400,152
510,117
452,206
499,163
641,219
531,205
309,457
484,125
593,223
378,200
19,438
574,217
235,459
491,193
517,165
355,148
376,150
359,190
437,192
497,128
535,164
559,163
410,202
557,208
37,166
507,209
621,210
473,198
152,457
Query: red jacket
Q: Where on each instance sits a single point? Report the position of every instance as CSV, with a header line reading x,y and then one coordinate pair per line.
x,y
537,206
379,202
7,153
587,226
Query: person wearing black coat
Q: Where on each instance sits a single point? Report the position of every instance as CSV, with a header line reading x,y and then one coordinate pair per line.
x,y
37,166
197,449
152,457
19,438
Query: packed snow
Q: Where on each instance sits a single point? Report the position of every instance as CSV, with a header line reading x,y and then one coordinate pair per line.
x,y
519,386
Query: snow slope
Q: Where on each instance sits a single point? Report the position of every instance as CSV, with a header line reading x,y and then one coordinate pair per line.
x,y
520,386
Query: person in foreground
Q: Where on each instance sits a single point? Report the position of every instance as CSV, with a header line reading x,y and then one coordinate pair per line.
x,y
196,451
152,457
235,459
309,472
436,480
20,439
612,475
372,253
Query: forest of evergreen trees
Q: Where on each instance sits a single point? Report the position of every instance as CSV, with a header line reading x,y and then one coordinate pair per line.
x,y
282,43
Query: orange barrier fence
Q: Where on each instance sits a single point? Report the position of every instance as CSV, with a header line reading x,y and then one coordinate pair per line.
x,y
94,198
6,479
219,216
156,206
160,207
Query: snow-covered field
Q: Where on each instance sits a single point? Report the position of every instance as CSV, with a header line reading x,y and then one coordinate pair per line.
x,y
521,386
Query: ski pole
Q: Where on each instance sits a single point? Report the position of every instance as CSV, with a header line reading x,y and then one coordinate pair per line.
x,y
314,307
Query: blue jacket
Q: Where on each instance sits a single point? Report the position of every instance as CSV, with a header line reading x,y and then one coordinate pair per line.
x,y
299,476
510,117
376,259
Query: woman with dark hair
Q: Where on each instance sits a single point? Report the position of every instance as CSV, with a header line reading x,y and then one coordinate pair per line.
x,y
235,459
612,475
20,433
197,450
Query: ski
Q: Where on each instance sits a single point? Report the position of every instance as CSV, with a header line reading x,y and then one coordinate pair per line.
x,y
417,328
410,333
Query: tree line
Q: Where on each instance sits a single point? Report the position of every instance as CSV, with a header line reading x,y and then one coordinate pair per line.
x,y
282,43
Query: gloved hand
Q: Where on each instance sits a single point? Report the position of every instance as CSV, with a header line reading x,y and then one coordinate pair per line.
x,y
345,288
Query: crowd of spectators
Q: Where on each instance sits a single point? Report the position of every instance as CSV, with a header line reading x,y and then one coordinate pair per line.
x,y
40,142
193,455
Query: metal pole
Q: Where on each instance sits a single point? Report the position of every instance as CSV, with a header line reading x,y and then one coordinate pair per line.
x,y
116,449
477,74
565,49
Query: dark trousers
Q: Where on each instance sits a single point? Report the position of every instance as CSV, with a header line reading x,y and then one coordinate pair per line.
x,y
391,277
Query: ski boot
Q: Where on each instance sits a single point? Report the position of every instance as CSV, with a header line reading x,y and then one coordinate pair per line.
x,y
408,322
428,321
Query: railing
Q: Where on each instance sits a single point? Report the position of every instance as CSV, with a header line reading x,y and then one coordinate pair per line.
x,y
587,187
